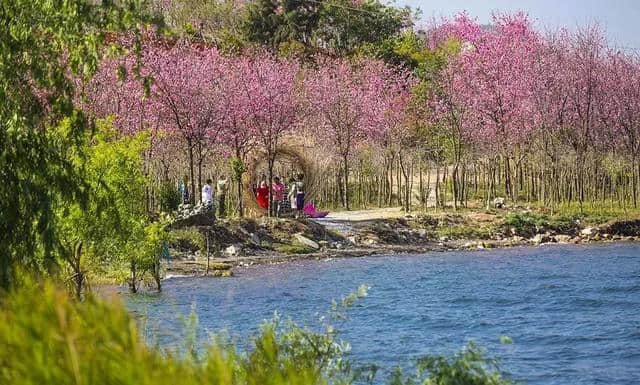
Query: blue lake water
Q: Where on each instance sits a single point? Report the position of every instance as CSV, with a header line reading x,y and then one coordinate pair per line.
x,y
573,312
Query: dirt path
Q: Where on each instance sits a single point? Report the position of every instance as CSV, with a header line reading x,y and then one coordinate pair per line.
x,y
345,223
366,215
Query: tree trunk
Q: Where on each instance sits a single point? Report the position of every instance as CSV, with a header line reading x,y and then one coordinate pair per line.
x,y
77,270
133,281
191,172
345,159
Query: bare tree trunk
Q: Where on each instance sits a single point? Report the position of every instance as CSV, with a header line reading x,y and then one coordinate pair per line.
x,y
345,159
191,171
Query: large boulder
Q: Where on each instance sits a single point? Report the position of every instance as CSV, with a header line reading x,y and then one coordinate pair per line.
x,y
306,241
541,238
589,231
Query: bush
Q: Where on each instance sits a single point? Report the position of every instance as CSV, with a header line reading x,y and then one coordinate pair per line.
x,y
466,231
469,367
529,224
169,197
189,239
47,338
525,224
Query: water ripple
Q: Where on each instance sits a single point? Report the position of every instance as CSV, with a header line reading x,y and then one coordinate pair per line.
x,y
573,312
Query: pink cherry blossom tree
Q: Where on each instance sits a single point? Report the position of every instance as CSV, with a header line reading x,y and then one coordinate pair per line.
x,y
238,129
349,103
184,99
271,101
619,109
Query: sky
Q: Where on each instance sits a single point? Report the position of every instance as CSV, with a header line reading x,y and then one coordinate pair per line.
x,y
619,18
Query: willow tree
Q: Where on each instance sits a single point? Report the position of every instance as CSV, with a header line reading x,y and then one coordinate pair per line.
x,y
45,45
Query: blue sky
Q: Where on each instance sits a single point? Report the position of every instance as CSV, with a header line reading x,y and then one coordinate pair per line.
x,y
619,18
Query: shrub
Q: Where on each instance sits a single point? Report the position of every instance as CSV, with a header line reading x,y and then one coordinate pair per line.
x,y
169,197
529,224
525,224
189,239
469,367
466,231
47,338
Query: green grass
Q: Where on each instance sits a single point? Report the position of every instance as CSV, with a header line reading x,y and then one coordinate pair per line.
x,y
187,239
527,224
464,231
595,214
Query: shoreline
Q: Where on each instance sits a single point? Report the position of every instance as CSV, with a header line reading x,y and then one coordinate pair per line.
x,y
196,269
185,269
240,242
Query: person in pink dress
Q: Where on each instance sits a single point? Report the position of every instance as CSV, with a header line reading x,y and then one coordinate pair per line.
x,y
277,189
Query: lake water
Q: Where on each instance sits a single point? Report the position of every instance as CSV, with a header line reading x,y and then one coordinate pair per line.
x,y
573,312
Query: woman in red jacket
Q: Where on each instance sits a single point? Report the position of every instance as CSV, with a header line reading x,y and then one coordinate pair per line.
x,y
262,195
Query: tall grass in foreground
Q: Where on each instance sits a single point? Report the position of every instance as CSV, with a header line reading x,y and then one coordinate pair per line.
x,y
48,338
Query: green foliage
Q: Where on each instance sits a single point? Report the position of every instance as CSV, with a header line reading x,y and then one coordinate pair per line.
x,y
188,239
292,249
529,223
169,197
339,26
345,27
238,168
525,224
278,23
150,253
465,231
47,338
593,213
469,367
46,48
109,224
217,21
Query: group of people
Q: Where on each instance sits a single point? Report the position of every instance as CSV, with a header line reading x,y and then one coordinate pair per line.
x,y
285,197
207,195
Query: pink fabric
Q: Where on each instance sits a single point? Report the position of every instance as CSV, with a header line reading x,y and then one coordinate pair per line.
x,y
310,210
278,191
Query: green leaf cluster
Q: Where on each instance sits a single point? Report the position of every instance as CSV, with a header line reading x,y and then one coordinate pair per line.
x,y
469,367
109,224
47,48
339,27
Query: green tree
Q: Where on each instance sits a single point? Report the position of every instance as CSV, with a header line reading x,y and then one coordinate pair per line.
x,y
279,23
149,256
337,27
45,46
346,26
111,219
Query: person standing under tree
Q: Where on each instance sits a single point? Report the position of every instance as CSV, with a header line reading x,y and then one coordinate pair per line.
x,y
221,189
292,193
277,190
184,190
299,190
207,195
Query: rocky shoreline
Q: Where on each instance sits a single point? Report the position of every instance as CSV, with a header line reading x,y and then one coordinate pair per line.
x,y
276,241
